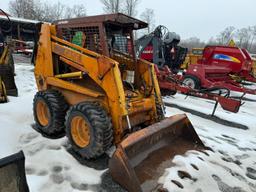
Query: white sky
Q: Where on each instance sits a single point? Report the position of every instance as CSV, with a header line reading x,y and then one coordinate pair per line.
x,y
201,18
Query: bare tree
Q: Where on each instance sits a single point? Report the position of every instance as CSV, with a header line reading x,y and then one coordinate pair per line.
x,y
35,9
212,41
75,11
130,7
244,37
52,12
23,8
149,17
253,36
226,35
111,6
192,42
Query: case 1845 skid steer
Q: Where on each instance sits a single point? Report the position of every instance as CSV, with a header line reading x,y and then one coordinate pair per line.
x,y
93,89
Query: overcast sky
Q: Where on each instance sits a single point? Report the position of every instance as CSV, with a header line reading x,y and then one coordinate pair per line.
x,y
201,18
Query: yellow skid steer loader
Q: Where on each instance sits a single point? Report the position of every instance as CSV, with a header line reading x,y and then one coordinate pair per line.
x,y
94,89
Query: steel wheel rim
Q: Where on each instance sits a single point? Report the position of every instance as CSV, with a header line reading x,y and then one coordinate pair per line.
x,y
80,131
43,113
189,82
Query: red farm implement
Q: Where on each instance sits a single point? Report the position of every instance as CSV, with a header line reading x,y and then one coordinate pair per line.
x,y
222,66
170,84
161,48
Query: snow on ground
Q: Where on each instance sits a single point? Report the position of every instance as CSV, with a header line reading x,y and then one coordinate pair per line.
x,y
232,165
49,167
244,116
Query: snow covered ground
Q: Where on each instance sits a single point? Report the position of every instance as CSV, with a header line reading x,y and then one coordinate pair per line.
x,y
231,166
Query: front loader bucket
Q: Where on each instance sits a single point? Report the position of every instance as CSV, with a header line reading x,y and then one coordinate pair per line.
x,y
12,173
143,156
7,75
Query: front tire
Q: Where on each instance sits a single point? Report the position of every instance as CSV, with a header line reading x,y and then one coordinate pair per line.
x,y
50,109
89,129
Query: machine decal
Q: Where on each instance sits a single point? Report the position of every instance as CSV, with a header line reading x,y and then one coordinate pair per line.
x,y
226,58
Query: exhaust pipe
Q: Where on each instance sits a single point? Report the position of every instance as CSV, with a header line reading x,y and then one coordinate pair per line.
x,y
143,156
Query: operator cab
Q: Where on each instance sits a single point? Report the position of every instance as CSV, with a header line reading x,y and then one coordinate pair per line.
x,y
109,35
104,33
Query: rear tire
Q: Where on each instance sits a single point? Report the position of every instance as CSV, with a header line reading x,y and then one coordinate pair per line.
x,y
192,82
49,109
89,129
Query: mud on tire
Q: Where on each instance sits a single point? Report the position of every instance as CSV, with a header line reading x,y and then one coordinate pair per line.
x,y
56,109
99,127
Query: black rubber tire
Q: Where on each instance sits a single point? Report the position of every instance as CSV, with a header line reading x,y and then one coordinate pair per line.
x,y
100,128
195,79
6,72
57,107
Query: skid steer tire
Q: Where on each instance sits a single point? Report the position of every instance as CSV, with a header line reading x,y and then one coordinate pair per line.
x,y
89,129
49,109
